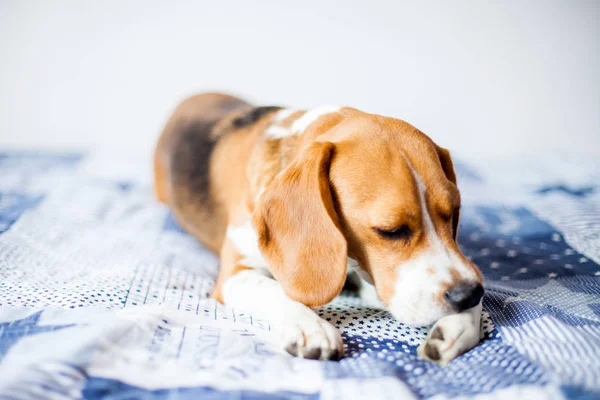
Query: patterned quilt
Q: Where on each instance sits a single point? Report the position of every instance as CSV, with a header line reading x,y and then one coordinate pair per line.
x,y
102,295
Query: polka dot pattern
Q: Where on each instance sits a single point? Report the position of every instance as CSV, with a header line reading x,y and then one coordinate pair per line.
x,y
502,254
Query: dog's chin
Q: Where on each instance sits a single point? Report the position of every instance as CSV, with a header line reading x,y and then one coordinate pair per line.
x,y
417,318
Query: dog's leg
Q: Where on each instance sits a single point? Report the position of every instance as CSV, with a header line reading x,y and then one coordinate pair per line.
x,y
303,333
451,336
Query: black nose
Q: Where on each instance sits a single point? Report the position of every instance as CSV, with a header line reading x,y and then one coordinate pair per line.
x,y
465,295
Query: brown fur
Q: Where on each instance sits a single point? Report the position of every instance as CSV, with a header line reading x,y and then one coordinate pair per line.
x,y
309,261
325,190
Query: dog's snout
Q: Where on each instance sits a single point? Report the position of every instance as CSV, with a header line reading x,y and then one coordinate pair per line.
x,y
465,295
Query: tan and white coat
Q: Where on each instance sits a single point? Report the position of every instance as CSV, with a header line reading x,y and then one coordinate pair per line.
x,y
292,200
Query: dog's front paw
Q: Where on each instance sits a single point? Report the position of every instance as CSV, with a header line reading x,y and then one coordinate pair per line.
x,y
451,336
308,336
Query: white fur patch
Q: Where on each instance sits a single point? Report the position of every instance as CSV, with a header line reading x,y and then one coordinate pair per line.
x,y
245,240
367,291
369,296
276,131
353,265
283,114
298,326
311,116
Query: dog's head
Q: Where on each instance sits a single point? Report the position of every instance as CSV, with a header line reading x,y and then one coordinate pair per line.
x,y
378,191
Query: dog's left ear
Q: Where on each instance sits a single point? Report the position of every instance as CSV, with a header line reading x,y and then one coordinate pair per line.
x,y
448,168
298,229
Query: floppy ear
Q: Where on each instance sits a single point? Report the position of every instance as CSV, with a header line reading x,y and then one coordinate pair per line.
x,y
448,168
298,229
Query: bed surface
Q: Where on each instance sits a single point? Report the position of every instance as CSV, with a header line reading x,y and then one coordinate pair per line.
x,y
102,295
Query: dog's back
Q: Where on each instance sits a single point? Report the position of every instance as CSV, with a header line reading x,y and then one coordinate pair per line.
x,y
182,163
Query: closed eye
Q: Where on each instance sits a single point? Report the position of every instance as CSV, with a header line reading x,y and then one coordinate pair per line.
x,y
401,233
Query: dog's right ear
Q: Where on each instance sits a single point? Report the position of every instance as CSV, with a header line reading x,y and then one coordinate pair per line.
x,y
298,229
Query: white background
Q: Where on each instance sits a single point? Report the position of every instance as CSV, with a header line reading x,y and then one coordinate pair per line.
x,y
479,77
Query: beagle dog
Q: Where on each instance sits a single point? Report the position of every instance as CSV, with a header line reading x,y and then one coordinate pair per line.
x,y
295,200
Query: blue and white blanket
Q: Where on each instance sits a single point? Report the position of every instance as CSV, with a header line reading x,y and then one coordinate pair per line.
x,y
103,296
